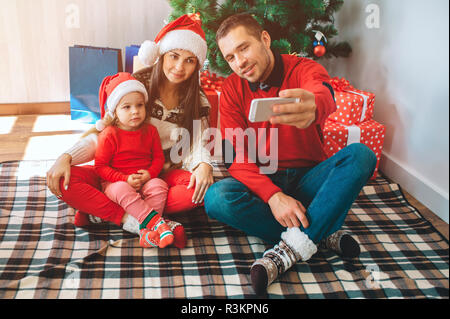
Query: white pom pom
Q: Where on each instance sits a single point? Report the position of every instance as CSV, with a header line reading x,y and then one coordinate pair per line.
x,y
148,53
100,126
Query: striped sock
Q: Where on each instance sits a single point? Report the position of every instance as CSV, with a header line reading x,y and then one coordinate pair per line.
x,y
165,234
155,222
131,225
148,238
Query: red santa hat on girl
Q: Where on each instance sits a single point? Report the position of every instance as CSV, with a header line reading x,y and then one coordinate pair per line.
x,y
112,90
184,33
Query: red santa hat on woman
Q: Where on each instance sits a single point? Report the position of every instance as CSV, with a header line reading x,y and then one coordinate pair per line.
x,y
184,33
112,90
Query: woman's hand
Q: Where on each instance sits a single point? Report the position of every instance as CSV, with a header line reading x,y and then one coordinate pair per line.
x,y
202,178
61,168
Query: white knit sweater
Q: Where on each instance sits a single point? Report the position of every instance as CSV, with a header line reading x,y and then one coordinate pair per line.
x,y
84,150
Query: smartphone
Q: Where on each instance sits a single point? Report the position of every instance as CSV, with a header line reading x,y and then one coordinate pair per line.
x,y
261,109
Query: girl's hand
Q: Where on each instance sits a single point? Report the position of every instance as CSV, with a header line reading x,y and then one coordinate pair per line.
x,y
61,168
134,180
145,176
202,178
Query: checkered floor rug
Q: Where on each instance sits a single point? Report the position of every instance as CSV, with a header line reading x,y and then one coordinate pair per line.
x,y
43,255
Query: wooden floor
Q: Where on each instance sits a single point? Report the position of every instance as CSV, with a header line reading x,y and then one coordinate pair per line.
x,y
45,137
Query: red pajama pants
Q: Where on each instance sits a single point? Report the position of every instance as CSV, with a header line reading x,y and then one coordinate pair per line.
x,y
84,194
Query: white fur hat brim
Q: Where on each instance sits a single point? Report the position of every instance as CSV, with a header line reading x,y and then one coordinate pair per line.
x,y
121,90
176,39
148,53
185,40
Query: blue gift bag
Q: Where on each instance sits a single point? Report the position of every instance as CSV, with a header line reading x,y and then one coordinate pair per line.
x,y
130,52
88,67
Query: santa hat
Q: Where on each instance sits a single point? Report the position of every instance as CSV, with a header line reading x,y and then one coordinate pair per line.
x,y
112,90
184,33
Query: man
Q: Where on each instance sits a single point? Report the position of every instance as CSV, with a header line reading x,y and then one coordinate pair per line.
x,y
307,199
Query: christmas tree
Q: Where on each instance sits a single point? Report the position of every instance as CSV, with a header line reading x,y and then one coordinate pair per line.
x,y
301,27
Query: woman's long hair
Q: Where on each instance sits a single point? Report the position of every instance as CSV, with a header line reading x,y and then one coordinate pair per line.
x,y
188,92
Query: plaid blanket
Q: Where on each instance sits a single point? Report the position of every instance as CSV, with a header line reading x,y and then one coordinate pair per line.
x,y
43,255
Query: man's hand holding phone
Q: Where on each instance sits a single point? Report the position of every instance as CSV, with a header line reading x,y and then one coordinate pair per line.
x,y
261,110
301,114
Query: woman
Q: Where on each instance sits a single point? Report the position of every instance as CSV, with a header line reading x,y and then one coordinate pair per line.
x,y
176,102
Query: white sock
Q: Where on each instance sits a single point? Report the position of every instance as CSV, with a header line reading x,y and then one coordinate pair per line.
x,y
299,242
131,225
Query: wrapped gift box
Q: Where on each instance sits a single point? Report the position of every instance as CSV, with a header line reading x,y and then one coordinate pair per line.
x,y
212,86
370,133
353,106
213,98
211,81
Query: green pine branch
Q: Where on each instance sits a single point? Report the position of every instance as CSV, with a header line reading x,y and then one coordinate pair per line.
x,y
290,24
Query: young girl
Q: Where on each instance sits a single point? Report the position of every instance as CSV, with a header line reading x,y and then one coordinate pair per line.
x,y
129,157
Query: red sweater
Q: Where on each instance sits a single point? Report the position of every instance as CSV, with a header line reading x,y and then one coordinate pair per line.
x,y
297,148
122,153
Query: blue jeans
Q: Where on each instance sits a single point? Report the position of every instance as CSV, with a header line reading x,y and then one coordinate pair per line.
x,y
327,191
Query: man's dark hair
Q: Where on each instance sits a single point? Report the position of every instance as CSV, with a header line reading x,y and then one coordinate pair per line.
x,y
242,19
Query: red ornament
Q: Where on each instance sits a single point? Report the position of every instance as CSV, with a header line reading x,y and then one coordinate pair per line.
x,y
320,51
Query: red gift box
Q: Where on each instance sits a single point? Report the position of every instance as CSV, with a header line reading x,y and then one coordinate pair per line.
x,y
213,98
212,86
353,106
210,81
370,133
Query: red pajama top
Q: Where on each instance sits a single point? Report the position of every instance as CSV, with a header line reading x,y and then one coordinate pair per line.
x,y
296,147
122,153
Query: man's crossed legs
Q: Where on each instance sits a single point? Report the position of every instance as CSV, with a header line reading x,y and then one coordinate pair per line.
x,y
327,191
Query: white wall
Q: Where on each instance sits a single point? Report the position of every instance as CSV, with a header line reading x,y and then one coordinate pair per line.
x,y
35,37
405,63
